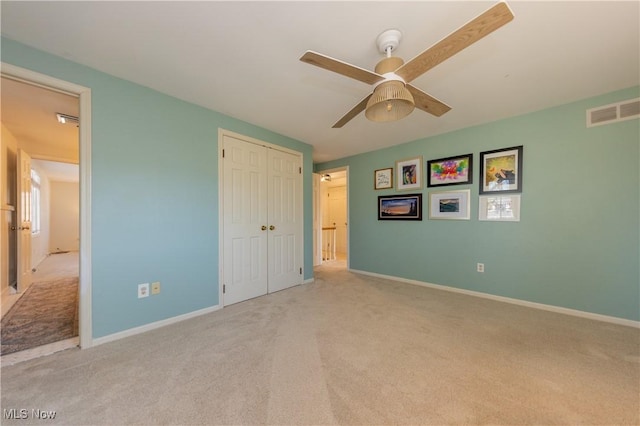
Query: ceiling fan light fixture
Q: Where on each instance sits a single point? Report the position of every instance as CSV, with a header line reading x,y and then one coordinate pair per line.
x,y
390,101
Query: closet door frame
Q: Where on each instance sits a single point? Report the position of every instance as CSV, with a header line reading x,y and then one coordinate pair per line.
x,y
222,133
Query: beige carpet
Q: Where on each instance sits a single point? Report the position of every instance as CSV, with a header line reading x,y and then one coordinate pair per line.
x,y
347,349
58,265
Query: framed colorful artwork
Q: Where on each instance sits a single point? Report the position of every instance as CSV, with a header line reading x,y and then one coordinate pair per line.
x,y
452,205
450,171
409,174
400,207
383,178
501,170
498,207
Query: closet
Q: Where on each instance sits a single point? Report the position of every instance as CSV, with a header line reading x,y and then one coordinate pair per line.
x,y
261,217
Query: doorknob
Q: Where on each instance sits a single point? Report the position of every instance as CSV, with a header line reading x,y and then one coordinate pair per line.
x,y
13,228
271,228
263,227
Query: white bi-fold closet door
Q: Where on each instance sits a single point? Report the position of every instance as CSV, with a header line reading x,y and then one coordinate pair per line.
x,y
261,219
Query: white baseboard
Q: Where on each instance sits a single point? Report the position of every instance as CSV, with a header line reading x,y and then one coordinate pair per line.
x,y
36,264
309,281
542,306
151,326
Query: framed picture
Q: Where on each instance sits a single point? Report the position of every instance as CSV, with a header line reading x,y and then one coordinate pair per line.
x,y
383,178
409,174
400,207
499,207
450,171
501,170
453,205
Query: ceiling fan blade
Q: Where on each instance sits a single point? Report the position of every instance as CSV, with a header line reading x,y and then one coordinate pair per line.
x,y
362,105
340,67
427,102
465,36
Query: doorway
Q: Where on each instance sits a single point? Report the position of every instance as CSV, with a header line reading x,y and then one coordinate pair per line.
x,y
333,210
34,96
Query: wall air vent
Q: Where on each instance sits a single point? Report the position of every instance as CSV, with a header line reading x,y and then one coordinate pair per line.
x,y
613,113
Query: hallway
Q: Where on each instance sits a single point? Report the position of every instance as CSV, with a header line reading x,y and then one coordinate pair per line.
x,y
54,266
57,265
44,318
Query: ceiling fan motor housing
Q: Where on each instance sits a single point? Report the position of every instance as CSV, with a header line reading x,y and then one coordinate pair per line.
x,y
388,65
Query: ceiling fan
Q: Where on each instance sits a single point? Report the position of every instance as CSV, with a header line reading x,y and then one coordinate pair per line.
x,y
393,97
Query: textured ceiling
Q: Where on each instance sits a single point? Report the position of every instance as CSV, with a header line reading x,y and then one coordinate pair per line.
x,y
242,58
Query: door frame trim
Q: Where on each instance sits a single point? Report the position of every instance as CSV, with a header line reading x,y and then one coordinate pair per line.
x,y
84,96
346,170
221,134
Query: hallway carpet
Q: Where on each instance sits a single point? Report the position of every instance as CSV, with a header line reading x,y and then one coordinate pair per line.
x,y
46,313
347,349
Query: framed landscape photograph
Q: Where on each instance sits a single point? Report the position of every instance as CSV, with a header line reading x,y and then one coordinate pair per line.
x,y
450,171
505,208
383,178
409,174
400,207
452,205
501,170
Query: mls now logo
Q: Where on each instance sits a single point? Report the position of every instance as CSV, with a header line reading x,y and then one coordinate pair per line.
x,y
23,413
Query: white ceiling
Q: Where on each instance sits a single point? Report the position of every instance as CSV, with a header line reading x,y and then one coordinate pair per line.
x,y
242,58
29,112
56,171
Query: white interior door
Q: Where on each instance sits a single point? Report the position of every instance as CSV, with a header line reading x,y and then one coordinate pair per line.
x,y
23,213
244,230
285,217
262,220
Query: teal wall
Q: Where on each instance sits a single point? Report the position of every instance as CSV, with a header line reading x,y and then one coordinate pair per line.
x,y
577,243
154,194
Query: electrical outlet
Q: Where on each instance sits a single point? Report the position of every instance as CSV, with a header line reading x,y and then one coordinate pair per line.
x,y
155,287
480,267
143,290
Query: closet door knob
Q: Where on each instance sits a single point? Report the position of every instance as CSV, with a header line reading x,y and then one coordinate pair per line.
x,y
271,228
263,227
